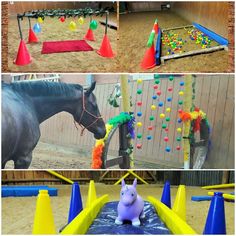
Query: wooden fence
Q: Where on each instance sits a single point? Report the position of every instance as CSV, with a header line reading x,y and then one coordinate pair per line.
x,y
214,95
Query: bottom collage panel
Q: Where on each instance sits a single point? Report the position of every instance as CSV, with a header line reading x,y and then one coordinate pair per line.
x,y
117,202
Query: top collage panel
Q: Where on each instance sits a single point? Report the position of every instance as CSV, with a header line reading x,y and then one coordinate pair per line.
x,y
132,37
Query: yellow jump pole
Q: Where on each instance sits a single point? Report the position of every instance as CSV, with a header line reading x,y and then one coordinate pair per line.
x,y
219,186
130,172
60,176
186,126
126,104
225,196
123,177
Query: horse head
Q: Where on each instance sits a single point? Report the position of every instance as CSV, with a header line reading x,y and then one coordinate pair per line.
x,y
128,193
90,117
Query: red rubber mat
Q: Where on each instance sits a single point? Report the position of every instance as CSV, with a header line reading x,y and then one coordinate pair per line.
x,y
65,46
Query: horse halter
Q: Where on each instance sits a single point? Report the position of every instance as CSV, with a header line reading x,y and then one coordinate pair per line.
x,y
81,116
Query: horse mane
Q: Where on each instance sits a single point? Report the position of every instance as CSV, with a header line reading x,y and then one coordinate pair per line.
x,y
45,88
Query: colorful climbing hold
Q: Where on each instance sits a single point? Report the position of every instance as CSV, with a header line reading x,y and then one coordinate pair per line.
x,y
157,81
168,149
164,126
168,109
153,107
139,146
139,113
139,104
154,97
167,119
139,136
171,78
150,127
179,130
166,139
159,93
178,148
149,137
160,104
169,99
181,93
181,83
180,102
178,139
170,89
139,81
155,86
151,118
139,91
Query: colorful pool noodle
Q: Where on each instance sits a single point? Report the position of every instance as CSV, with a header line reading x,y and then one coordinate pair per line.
x,y
100,143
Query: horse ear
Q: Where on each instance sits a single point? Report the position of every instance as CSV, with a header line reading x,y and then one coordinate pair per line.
x,y
135,183
90,89
123,183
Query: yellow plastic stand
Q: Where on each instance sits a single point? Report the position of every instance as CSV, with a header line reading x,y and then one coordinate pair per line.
x,y
225,195
92,196
180,203
43,219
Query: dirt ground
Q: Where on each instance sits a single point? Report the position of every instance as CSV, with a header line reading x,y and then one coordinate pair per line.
x,y
51,156
53,30
133,35
18,213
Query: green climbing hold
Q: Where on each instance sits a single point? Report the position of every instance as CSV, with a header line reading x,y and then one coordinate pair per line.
x,y
164,126
178,139
180,102
171,78
151,118
167,119
139,136
139,91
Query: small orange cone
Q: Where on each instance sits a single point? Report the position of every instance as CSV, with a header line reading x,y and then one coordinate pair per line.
x,y
149,61
89,35
155,27
105,49
23,57
32,37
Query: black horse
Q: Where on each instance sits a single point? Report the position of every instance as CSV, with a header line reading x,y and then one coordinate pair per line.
x,y
25,105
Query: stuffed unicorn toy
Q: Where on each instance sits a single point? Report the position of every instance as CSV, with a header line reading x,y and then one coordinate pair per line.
x,y
130,206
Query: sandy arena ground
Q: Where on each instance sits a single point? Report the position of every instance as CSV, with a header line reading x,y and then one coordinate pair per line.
x,y
54,30
18,213
133,35
50,156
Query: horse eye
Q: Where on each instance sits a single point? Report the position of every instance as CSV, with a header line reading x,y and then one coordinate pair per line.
x,y
122,193
132,194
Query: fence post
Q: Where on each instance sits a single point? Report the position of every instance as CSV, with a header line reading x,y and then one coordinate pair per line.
x,y
186,125
126,108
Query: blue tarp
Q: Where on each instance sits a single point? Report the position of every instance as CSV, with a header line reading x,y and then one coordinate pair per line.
x,y
26,191
105,222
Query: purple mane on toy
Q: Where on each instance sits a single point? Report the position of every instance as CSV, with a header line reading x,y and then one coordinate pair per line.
x,y
130,206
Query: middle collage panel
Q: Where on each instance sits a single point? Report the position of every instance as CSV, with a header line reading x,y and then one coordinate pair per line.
x,y
124,121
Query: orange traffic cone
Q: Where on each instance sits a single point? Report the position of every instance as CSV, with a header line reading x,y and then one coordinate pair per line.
x,y
105,49
155,27
149,61
89,35
32,37
23,57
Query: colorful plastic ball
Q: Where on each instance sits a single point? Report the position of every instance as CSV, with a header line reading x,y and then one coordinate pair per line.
x,y
178,139
160,104
181,93
139,104
162,115
181,83
167,119
150,127
157,81
139,81
62,19
155,86
168,109
156,76
139,124
168,149
180,102
72,26
154,97
139,136
139,146
149,137
169,99
159,93
170,89
179,120
139,91
40,20
166,139
37,28
139,113
178,148
153,107
81,20
164,126
179,130
171,78
151,118
93,25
